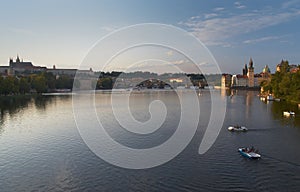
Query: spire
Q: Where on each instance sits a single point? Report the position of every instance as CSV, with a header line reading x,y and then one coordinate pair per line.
x,y
251,63
245,70
18,59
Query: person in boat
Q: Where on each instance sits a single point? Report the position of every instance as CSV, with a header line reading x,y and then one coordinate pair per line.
x,y
237,126
251,149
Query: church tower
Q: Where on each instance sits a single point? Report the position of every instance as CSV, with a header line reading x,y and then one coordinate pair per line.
x,y
18,59
11,62
245,70
250,74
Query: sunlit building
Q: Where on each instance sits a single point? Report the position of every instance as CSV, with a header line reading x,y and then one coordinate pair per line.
x,y
284,65
248,79
226,80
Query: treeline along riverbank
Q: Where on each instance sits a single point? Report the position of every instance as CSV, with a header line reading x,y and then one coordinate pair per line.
x,y
284,84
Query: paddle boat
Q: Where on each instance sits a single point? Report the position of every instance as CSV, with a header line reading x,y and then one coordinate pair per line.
x,y
288,113
270,98
250,153
237,128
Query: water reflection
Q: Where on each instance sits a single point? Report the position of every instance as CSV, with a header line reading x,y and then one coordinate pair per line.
x,y
252,105
277,109
226,92
13,104
10,106
41,149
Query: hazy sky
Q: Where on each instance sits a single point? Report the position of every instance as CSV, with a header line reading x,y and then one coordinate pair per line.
x,y
61,32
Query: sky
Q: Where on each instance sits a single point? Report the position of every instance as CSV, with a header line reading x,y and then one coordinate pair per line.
x,y
63,32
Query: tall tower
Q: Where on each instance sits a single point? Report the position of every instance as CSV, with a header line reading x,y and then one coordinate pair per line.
x,y
245,70
250,74
10,62
18,59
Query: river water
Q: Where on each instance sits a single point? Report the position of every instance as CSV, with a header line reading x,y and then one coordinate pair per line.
x,y
41,148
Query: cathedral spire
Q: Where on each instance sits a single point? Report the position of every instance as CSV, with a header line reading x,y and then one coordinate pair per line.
x,y
245,70
18,59
251,63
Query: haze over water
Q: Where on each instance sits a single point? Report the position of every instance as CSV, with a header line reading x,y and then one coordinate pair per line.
x,y
41,149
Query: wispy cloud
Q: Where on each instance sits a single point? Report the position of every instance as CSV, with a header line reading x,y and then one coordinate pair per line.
x,y
220,29
239,5
219,9
179,62
262,39
210,15
289,4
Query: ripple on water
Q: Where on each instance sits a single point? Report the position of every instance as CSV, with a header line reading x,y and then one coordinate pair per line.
x,y
41,150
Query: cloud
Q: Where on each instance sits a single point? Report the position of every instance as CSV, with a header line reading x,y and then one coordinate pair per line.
x,y
210,15
195,17
239,5
289,4
179,62
252,41
218,31
219,9
205,63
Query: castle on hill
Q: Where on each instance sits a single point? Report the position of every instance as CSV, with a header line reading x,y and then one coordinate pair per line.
x,y
248,79
20,67
20,64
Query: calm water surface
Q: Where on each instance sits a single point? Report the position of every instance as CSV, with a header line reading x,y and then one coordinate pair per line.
x,y
41,149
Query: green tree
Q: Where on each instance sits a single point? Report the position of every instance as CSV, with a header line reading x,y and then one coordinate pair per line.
x,y
50,80
24,85
105,83
16,87
8,85
284,84
64,82
39,83
284,67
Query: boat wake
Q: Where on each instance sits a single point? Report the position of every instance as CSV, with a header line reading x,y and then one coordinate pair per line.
x,y
262,129
280,160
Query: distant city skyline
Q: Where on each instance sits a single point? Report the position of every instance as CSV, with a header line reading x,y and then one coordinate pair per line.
x,y
62,32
